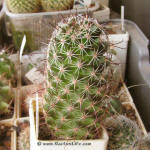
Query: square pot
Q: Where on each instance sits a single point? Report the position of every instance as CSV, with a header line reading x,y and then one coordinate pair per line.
x,y
119,43
100,144
37,26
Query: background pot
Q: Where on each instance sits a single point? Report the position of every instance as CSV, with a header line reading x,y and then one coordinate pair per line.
x,y
37,26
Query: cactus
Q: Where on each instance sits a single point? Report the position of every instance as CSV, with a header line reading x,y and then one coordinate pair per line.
x,y
5,97
24,139
122,133
7,72
23,6
142,144
77,58
57,5
6,67
110,107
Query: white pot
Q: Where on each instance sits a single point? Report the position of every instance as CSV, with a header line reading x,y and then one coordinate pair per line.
x,y
119,43
100,144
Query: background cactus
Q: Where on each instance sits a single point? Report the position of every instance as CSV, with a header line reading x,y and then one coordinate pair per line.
x,y
142,144
6,97
122,133
57,5
24,139
7,78
7,70
76,85
23,6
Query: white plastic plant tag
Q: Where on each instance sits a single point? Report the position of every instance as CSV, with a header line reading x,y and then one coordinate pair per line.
x,y
37,115
19,76
122,18
33,139
22,47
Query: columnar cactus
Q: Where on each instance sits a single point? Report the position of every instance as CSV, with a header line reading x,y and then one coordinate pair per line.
x,y
77,57
122,133
24,139
6,79
57,5
23,6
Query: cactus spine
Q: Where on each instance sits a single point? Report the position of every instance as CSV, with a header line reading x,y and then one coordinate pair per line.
x,y
77,58
23,6
57,5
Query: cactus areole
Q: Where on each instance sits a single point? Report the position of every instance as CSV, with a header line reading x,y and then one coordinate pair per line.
x,y
77,56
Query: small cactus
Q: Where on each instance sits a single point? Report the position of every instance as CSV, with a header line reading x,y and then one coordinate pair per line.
x,y
77,59
7,77
122,133
110,107
57,5
23,6
24,139
5,97
7,70
142,144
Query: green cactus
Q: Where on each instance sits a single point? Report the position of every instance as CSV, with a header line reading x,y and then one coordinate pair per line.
x,y
122,133
23,6
57,5
5,97
7,70
24,139
76,62
7,77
